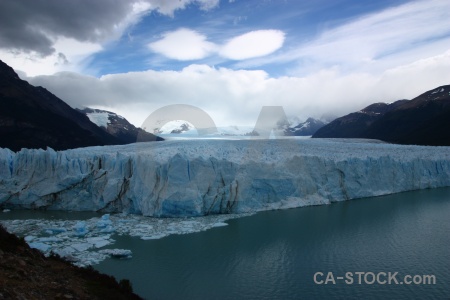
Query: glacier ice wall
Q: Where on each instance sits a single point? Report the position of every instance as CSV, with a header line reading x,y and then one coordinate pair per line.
x,y
201,177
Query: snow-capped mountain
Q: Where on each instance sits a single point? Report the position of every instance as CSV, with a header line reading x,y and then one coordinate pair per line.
x,y
176,127
183,128
118,126
307,128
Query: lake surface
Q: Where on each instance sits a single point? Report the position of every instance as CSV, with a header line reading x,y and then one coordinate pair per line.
x,y
275,254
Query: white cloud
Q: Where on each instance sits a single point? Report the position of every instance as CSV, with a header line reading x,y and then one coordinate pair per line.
x,y
183,44
253,44
394,36
236,97
186,44
384,33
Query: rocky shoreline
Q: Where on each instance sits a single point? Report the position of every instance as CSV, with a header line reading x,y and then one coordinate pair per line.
x,y
26,273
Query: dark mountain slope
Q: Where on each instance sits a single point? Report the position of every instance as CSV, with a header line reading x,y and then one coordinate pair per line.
x,y
32,117
424,120
354,125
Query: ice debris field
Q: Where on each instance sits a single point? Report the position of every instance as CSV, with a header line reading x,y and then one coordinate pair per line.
x,y
88,242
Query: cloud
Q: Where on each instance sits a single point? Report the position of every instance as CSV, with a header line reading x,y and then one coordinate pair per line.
x,y
393,36
253,44
34,26
183,44
70,55
168,7
377,57
208,4
186,44
236,96
382,34
34,34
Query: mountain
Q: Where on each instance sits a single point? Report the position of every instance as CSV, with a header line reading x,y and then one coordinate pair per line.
x,y
32,117
423,120
354,125
118,126
307,128
183,128
180,127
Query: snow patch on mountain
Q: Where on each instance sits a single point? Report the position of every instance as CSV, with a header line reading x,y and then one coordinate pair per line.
x,y
100,119
117,126
306,128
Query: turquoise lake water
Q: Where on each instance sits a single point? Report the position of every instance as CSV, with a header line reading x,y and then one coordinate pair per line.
x,y
275,254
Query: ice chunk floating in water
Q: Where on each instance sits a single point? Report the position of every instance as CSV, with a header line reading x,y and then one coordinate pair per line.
x,y
80,228
88,247
118,253
202,177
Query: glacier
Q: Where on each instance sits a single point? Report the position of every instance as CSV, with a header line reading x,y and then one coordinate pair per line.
x,y
201,177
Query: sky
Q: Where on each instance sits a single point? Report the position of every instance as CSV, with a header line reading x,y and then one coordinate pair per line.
x,y
228,57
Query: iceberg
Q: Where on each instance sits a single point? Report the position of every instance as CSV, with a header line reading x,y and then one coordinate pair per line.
x,y
104,222
205,177
80,228
40,246
117,253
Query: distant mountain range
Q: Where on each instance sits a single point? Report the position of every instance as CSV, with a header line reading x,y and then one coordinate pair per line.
x,y
32,117
183,128
307,128
424,120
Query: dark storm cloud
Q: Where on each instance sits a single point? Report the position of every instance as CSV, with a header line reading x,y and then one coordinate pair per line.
x,y
30,25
